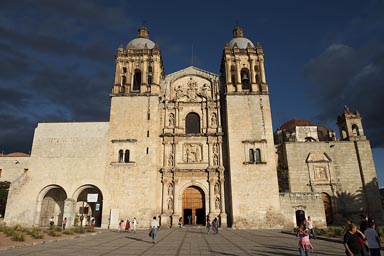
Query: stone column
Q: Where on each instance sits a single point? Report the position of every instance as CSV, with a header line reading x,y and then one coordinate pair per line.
x,y
164,211
262,70
69,211
223,214
212,181
252,72
238,82
228,70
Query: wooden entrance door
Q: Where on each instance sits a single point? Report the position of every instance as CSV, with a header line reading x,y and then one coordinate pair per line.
x,y
193,206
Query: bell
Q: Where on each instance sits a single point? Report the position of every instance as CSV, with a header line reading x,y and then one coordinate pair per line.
x,y
244,77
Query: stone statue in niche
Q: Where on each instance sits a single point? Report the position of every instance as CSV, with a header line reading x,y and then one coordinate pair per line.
x,y
215,160
170,160
217,189
213,119
217,203
171,120
215,148
170,204
170,189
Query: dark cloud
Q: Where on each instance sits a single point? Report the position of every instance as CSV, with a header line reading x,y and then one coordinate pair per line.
x,y
343,75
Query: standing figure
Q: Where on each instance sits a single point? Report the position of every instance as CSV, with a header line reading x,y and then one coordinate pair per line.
x,y
180,222
120,226
127,226
208,225
51,222
373,239
93,221
305,246
351,241
311,227
64,222
154,226
215,225
134,223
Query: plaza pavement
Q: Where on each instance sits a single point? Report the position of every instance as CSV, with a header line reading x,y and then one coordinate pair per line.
x,y
180,241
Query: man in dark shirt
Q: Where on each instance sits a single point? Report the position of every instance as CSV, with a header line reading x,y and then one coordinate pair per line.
x,y
351,242
363,223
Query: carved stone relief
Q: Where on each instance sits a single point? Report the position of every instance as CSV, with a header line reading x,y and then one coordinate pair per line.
x,y
320,173
192,153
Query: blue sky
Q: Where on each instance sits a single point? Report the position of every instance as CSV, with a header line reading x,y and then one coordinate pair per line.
x,y
57,57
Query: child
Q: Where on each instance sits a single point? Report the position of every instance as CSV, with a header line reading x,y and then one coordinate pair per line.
x,y
305,246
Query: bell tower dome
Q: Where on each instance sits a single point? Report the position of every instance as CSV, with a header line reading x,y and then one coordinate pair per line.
x,y
139,66
242,65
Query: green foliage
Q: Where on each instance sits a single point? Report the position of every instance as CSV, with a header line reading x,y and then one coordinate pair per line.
x,y
79,230
35,233
53,232
331,231
69,232
18,236
9,231
18,227
2,227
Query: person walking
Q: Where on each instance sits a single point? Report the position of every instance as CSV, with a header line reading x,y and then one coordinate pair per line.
x,y
208,225
154,227
127,226
64,222
134,224
351,241
51,222
215,225
373,239
311,227
305,246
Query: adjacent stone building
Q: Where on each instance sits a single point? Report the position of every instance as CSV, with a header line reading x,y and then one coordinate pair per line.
x,y
192,145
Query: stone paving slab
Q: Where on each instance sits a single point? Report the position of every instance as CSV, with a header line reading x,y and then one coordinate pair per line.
x,y
180,241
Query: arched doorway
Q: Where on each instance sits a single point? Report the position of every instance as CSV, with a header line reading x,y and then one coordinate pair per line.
x,y
194,206
300,217
328,208
89,204
52,205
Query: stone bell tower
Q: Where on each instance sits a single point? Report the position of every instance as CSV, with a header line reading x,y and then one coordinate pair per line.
x,y
350,125
351,131
139,67
252,180
133,151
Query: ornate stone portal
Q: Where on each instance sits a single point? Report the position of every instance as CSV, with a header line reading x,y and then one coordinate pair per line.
x,y
193,168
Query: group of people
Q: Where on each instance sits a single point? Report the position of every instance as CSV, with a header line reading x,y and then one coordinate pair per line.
x,y
214,225
128,225
364,241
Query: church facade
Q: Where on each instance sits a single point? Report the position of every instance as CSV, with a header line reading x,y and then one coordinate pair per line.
x,y
192,145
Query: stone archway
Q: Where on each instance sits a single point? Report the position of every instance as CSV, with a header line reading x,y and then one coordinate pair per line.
x,y
89,203
328,208
52,205
193,206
